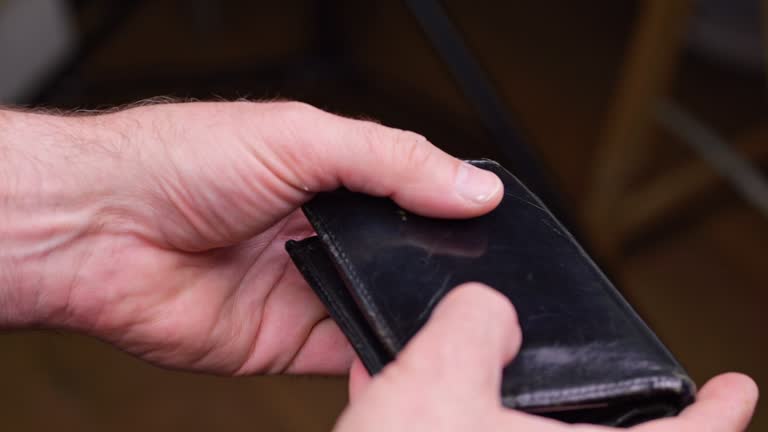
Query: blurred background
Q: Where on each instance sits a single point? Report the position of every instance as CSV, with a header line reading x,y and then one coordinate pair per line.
x,y
641,123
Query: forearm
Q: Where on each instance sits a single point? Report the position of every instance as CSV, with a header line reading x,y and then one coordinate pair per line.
x,y
54,188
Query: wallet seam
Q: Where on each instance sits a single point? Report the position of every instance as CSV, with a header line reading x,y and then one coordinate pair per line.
x,y
370,359
358,286
595,392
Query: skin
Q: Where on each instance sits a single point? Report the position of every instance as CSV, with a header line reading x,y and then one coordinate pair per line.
x,y
448,379
161,228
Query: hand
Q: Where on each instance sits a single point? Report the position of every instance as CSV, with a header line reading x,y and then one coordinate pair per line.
x,y
448,379
161,228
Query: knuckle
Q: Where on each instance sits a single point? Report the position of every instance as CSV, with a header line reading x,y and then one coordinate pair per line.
x,y
295,110
411,149
395,145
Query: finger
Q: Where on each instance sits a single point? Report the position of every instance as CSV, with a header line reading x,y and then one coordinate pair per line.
x,y
329,151
471,335
725,404
358,379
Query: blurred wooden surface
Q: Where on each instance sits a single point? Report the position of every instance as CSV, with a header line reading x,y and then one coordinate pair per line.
x,y
700,280
651,60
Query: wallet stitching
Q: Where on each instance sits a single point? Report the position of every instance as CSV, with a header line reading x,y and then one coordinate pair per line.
x,y
385,332
596,391
348,322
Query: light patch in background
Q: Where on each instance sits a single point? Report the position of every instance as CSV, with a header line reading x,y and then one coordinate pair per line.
x,y
35,37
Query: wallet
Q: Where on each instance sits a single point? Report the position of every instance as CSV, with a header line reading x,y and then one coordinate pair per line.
x,y
586,356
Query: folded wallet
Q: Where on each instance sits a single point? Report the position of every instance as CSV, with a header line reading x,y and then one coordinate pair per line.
x,y
586,356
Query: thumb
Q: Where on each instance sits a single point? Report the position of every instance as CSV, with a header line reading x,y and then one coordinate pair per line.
x,y
327,151
274,157
472,334
725,404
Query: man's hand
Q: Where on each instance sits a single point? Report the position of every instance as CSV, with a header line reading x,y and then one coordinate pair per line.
x,y
448,378
161,228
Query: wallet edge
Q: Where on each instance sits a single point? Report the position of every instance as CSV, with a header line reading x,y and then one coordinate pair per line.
x,y
308,255
675,382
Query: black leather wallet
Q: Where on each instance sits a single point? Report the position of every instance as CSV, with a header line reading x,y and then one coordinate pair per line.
x,y
586,355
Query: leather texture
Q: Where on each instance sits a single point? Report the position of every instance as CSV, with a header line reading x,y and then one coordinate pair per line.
x,y
586,355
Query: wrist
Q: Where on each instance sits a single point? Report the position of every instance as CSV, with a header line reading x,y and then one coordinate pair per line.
x,y
55,189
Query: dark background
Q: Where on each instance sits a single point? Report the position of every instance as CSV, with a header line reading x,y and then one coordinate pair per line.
x,y
693,262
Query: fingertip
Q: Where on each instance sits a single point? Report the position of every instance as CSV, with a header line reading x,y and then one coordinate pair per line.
x,y
481,189
450,188
484,297
726,402
491,306
731,384
469,338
